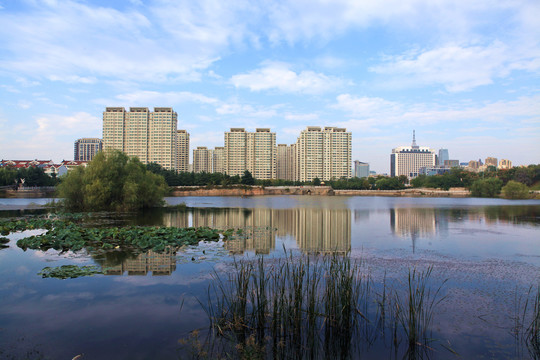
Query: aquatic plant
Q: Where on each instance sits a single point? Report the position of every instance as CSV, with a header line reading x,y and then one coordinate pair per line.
x,y
416,311
70,236
69,271
3,242
533,330
302,307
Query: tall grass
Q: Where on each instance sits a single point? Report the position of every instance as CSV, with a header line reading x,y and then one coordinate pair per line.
x,y
533,331
415,312
299,307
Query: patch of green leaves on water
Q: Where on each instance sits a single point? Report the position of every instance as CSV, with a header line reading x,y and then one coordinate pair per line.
x,y
42,222
69,271
3,242
70,236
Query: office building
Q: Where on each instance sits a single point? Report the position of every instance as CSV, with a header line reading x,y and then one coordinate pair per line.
x,y
150,136
202,159
252,151
323,153
86,148
407,160
361,169
182,151
218,165
443,156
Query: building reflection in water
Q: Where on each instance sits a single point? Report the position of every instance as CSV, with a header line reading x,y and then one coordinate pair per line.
x,y
315,230
417,223
142,264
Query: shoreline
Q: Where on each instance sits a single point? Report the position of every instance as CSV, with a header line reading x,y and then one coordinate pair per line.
x,y
183,191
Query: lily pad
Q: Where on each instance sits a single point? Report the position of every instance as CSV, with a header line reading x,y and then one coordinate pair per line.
x,y
69,271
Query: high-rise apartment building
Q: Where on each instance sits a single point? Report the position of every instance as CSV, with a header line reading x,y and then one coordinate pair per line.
x,y
86,148
182,151
282,161
202,159
443,156
505,164
286,162
218,160
252,151
323,153
151,136
491,161
361,169
407,160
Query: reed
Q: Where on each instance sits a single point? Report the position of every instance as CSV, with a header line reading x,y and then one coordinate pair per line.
x,y
415,312
302,307
533,331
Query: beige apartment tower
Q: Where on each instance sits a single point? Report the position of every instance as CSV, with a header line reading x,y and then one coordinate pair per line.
x,y
182,151
505,164
218,160
286,162
252,151
150,136
202,159
323,153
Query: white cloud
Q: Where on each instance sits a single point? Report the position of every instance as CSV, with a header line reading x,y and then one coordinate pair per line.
x,y
456,67
301,117
279,76
246,111
377,113
167,41
23,104
365,106
171,98
78,123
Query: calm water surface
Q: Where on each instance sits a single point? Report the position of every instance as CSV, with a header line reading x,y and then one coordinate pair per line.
x,y
488,249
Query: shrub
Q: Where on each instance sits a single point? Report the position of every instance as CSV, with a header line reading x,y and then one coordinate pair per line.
x,y
515,190
490,187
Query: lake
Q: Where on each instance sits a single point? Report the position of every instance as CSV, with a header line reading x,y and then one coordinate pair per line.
x,y
484,252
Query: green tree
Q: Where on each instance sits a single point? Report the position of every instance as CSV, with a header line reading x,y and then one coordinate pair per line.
x,y
247,178
490,187
316,182
7,176
391,183
112,181
515,190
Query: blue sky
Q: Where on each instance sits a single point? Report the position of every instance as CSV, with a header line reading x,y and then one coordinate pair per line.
x,y
464,74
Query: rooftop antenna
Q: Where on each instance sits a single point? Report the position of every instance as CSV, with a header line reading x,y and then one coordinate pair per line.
x,y
414,146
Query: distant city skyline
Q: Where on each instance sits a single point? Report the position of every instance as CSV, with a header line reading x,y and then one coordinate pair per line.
x,y
465,75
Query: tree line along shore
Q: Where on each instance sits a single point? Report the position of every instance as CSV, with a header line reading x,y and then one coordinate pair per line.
x,y
114,180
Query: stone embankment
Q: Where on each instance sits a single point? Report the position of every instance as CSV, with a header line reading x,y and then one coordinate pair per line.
x,y
251,190
311,190
28,192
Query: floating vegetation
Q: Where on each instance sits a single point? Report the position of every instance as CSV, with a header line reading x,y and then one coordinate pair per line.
x,y
69,271
71,236
3,242
306,308
39,222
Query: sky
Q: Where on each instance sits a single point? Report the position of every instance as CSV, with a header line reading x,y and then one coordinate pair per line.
x,y
464,74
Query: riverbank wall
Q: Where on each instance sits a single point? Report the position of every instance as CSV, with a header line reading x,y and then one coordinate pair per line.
x,y
312,190
35,192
